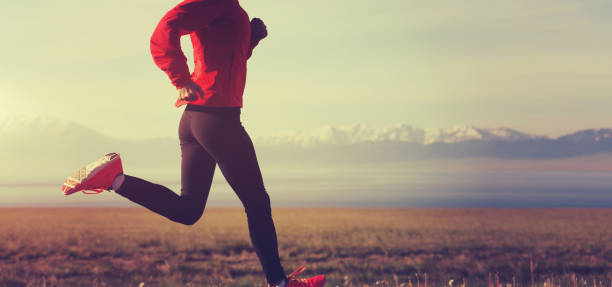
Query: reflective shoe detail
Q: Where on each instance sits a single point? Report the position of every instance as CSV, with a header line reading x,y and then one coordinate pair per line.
x,y
317,281
93,191
94,177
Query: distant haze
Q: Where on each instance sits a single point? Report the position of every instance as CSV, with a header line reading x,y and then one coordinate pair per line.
x,y
39,149
341,166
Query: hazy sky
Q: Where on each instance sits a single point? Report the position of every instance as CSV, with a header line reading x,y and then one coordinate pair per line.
x,y
539,66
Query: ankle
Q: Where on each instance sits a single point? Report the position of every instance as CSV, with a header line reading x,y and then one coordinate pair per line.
x,y
119,179
282,283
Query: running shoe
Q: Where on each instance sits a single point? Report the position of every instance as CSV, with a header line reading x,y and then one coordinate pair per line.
x,y
94,177
317,281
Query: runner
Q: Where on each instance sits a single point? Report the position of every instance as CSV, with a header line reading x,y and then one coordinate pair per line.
x,y
210,130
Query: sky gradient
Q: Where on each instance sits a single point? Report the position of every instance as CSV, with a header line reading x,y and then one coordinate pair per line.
x,y
538,66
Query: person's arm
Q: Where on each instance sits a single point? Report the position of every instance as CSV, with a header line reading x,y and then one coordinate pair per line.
x,y
186,17
258,32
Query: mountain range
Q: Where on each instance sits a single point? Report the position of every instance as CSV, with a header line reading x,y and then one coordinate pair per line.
x,y
37,143
400,133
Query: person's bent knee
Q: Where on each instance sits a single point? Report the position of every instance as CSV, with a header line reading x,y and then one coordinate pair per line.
x,y
190,214
188,219
188,210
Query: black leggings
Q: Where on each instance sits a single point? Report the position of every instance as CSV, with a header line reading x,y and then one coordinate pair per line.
x,y
210,136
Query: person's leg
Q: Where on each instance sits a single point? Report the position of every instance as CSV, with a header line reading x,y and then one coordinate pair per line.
x,y
229,144
197,170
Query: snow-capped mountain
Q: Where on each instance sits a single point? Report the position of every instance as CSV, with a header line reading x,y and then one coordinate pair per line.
x,y
360,133
467,133
592,135
53,148
342,135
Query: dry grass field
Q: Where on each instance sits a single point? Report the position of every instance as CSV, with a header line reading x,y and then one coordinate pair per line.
x,y
353,247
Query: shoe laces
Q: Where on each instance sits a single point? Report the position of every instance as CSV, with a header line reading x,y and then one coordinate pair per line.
x,y
297,282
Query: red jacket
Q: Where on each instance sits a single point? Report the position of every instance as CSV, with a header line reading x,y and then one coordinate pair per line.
x,y
220,32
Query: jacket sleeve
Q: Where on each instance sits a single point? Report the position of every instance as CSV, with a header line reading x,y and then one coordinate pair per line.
x,y
186,17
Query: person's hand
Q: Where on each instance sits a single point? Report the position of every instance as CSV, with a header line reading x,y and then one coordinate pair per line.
x,y
190,91
258,30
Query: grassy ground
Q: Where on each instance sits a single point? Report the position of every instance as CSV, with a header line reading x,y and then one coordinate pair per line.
x,y
353,247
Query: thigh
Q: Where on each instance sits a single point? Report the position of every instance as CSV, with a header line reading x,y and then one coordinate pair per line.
x,y
197,165
231,147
